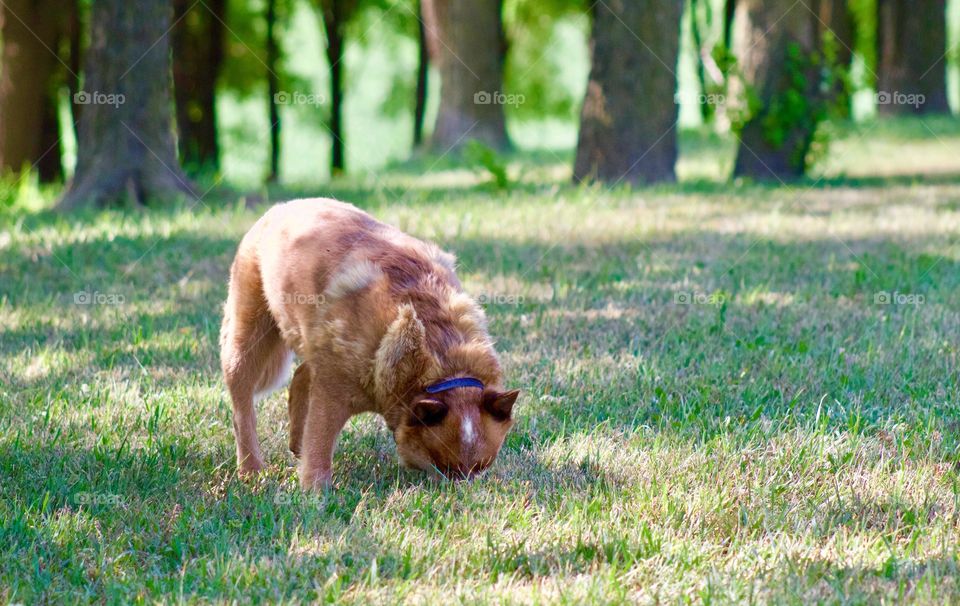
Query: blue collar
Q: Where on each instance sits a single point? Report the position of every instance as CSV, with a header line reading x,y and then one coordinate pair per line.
x,y
453,384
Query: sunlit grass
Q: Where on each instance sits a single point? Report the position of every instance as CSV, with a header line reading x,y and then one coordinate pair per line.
x,y
718,404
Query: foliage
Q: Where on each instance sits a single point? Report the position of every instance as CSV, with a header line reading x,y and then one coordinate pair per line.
x,y
865,17
243,71
705,20
391,25
798,107
532,68
486,157
20,192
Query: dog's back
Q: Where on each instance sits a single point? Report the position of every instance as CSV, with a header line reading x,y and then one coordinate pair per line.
x,y
323,255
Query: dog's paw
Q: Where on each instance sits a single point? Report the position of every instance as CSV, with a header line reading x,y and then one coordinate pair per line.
x,y
250,468
316,479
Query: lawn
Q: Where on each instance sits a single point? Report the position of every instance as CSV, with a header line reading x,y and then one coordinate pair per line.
x,y
731,393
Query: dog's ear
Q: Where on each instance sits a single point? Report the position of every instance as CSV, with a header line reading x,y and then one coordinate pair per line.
x,y
402,354
428,412
500,404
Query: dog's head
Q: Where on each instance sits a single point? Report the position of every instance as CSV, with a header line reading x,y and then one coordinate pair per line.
x,y
456,429
457,432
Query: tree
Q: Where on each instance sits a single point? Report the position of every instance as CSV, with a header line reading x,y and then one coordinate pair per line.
x,y
423,70
837,18
50,161
75,45
912,56
788,66
273,90
628,120
708,32
126,144
29,37
471,55
336,14
702,50
197,40
839,30
729,12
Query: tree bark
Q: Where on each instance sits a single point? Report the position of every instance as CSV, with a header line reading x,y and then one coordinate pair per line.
x,y
50,161
423,71
335,16
28,36
74,32
729,11
273,89
836,16
126,147
766,31
911,56
629,115
470,60
706,109
197,40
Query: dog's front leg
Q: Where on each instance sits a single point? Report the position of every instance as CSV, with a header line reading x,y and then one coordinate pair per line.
x,y
328,412
297,405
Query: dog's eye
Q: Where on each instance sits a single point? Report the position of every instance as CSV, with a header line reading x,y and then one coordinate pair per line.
x,y
428,412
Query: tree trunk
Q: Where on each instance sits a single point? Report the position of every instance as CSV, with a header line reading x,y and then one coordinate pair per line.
x,y
273,90
706,109
775,140
197,40
836,15
911,57
126,147
27,32
470,59
629,116
74,33
335,15
729,11
423,71
50,161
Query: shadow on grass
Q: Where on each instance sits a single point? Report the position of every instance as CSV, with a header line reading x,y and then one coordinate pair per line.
x,y
95,515
881,181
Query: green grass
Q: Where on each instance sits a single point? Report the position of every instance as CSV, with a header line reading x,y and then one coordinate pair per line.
x,y
781,438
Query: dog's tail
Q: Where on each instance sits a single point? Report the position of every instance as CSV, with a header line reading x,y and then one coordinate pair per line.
x,y
275,374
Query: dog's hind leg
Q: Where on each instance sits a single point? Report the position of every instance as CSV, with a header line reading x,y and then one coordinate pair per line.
x,y
253,357
299,401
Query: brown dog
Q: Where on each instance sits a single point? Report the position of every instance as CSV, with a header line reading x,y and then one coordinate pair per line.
x,y
380,323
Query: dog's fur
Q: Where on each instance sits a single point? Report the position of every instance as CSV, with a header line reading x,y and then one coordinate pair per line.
x,y
375,316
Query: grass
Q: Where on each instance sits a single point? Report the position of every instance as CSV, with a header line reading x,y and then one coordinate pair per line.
x,y
718,406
